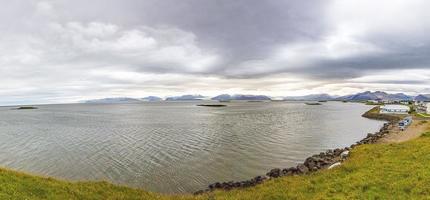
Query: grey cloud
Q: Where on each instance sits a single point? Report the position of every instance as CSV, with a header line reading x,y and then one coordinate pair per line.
x,y
408,58
236,30
67,48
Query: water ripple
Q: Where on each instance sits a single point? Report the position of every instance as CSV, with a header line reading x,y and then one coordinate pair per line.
x,y
173,147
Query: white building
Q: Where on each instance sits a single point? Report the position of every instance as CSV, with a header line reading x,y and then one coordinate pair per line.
x,y
428,108
423,107
394,109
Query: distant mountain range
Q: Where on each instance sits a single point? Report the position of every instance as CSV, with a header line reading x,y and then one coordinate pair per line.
x,y
114,100
123,100
378,95
363,96
227,97
312,97
422,97
187,97
152,98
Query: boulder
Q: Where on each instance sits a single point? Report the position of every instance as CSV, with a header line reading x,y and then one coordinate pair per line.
x,y
237,184
275,173
290,171
227,185
217,185
301,168
337,152
310,162
258,179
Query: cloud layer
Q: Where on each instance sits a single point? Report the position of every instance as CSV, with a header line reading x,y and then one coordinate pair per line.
x,y
65,51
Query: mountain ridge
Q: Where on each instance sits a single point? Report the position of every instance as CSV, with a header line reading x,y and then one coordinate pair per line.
x,y
361,96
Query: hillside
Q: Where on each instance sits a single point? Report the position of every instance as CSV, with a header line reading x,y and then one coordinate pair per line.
x,y
422,97
378,95
185,98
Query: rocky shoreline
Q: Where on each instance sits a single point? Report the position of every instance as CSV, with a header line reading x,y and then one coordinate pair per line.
x,y
324,160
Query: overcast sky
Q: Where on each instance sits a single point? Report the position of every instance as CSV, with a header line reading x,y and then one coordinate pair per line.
x,y
66,51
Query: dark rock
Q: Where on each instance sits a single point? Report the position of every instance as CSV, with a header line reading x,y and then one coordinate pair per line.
x,y
337,152
258,179
229,185
325,162
312,163
237,184
275,173
285,172
217,185
302,169
289,171
243,184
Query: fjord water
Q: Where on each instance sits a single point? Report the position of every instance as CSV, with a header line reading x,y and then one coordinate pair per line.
x,y
174,147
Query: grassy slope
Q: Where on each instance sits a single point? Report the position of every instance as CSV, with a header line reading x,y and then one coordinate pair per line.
x,y
423,115
15,185
377,171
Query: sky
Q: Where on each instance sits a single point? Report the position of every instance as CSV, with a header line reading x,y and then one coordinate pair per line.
x,y
63,51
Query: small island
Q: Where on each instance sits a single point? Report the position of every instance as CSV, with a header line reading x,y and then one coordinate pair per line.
x,y
26,108
212,105
312,104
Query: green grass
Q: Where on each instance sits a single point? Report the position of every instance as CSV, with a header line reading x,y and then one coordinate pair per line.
x,y
15,185
376,171
423,115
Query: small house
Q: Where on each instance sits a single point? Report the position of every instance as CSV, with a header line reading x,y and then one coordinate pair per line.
x,y
423,107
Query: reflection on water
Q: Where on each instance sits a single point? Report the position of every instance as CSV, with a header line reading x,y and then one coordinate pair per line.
x,y
177,146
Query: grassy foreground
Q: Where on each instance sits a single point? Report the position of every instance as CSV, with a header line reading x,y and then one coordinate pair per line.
x,y
376,171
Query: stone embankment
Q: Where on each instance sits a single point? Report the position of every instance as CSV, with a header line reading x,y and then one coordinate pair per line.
x,y
323,160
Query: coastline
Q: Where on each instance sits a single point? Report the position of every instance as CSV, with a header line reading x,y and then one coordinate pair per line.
x,y
39,187
324,160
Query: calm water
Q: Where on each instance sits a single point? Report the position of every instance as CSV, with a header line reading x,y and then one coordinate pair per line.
x,y
174,147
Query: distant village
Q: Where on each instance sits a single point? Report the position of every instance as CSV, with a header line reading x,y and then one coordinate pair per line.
x,y
402,106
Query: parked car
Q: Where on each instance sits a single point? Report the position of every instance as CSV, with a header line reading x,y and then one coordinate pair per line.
x,y
405,122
